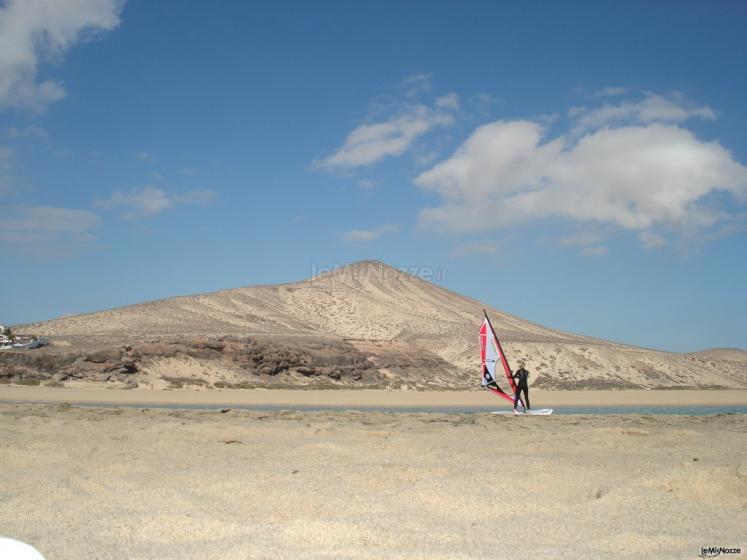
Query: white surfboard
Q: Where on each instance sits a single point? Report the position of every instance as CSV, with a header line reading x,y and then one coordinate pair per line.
x,y
536,412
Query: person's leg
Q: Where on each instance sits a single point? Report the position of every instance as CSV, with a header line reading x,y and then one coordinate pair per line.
x,y
516,397
526,397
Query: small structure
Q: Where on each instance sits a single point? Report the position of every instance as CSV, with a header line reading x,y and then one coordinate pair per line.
x,y
11,341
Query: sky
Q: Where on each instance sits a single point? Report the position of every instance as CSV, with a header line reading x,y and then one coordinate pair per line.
x,y
582,165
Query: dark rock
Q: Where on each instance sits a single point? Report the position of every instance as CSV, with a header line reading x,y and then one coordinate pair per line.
x,y
102,356
128,367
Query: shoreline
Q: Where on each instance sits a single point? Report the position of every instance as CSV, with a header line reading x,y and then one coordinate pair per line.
x,y
368,397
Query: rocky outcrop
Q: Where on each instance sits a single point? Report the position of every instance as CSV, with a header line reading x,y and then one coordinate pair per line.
x,y
252,361
52,366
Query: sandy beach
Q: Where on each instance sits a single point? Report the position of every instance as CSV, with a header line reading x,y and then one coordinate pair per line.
x,y
138,483
86,394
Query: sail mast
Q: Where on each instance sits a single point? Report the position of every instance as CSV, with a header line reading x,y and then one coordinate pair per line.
x,y
502,354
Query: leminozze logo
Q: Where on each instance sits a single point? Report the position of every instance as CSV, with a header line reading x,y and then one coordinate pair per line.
x,y
713,551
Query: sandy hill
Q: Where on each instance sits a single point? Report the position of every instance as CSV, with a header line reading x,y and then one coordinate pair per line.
x,y
364,324
724,354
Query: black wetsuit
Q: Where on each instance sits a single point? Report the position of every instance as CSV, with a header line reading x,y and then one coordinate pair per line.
x,y
522,384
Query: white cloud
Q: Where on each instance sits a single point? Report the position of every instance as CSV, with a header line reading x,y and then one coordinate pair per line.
x,y
484,102
365,235
576,111
31,132
143,203
479,247
426,158
653,108
366,184
502,154
144,157
633,177
590,242
200,197
369,143
595,251
547,118
37,31
416,84
150,201
449,101
652,240
45,231
584,238
610,91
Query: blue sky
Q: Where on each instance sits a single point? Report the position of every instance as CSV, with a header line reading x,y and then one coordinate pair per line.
x,y
579,164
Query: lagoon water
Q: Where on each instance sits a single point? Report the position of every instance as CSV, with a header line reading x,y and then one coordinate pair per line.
x,y
561,410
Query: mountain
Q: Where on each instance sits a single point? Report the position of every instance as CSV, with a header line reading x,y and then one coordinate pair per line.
x,y
366,324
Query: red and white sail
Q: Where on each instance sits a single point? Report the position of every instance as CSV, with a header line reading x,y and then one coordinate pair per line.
x,y
494,378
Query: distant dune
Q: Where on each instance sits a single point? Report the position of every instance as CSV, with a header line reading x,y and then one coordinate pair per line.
x,y
726,354
366,324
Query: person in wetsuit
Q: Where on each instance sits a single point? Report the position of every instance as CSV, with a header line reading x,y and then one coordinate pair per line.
x,y
521,376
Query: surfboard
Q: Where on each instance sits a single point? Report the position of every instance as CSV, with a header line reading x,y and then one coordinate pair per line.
x,y
538,412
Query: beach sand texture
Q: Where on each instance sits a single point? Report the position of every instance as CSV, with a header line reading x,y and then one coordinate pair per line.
x,y
128,483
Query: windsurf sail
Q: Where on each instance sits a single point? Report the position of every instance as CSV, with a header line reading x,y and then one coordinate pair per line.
x,y
496,379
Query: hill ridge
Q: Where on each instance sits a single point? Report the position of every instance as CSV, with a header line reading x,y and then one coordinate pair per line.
x,y
394,317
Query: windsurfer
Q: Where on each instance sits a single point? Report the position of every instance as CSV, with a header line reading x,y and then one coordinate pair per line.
x,y
521,376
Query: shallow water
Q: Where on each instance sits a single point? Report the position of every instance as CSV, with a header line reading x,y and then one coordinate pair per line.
x,y
561,410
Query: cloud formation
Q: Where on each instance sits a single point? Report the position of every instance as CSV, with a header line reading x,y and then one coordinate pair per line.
x,y
594,251
366,235
416,84
652,108
610,91
450,101
651,240
639,177
45,231
144,157
150,201
36,31
31,132
368,143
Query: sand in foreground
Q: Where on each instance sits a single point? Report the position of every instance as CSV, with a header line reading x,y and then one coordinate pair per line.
x,y
127,483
